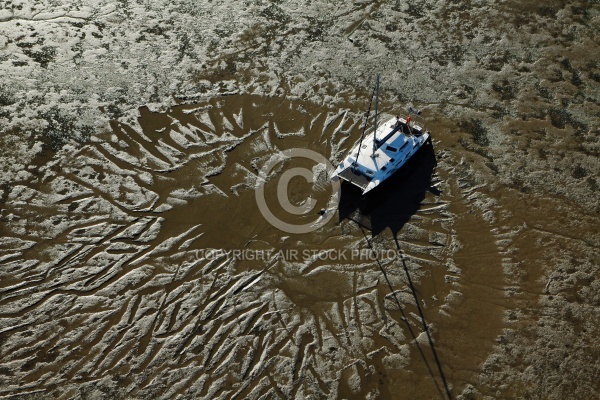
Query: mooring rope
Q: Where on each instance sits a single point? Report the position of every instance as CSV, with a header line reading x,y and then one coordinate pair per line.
x,y
407,322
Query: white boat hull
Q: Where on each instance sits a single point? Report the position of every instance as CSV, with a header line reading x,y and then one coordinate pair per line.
x,y
368,165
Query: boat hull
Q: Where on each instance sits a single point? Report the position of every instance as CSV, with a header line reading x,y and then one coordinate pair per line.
x,y
370,169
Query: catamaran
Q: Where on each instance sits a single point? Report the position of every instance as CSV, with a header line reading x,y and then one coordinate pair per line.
x,y
383,151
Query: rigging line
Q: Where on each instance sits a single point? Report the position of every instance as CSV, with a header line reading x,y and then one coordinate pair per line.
x,y
423,321
363,132
405,319
375,123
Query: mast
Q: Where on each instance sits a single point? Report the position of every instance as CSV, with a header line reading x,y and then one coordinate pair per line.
x,y
364,126
376,111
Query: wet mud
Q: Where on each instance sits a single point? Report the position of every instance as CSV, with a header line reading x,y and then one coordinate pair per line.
x,y
116,279
135,261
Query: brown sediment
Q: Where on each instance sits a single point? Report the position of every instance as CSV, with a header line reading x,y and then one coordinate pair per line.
x,y
126,288
105,289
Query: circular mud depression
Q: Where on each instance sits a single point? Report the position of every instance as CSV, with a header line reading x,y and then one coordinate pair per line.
x,y
108,283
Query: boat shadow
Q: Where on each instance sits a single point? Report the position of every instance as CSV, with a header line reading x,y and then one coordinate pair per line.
x,y
391,206
393,203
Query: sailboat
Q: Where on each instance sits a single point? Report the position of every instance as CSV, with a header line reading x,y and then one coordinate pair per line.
x,y
384,150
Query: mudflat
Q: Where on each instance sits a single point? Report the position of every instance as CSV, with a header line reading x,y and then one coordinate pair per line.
x,y
135,261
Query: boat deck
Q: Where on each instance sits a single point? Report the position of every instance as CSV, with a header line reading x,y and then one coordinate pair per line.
x,y
355,178
372,160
